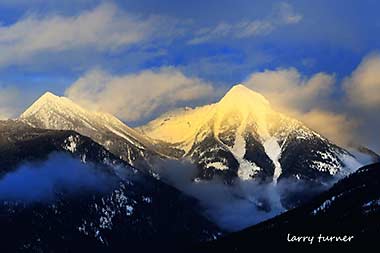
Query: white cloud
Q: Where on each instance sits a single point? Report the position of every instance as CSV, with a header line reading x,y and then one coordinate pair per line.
x,y
346,116
363,86
308,99
282,14
339,127
102,28
287,88
362,99
137,96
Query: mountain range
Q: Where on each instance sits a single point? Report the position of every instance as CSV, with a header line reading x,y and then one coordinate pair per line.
x,y
241,136
238,140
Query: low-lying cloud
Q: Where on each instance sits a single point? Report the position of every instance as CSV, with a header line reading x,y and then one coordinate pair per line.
x,y
137,96
42,181
232,207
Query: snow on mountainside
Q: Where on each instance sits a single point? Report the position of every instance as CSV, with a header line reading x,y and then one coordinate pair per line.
x,y
60,113
242,136
20,143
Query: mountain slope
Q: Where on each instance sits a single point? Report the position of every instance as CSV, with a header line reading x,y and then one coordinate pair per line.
x,y
60,113
242,137
351,207
20,142
126,207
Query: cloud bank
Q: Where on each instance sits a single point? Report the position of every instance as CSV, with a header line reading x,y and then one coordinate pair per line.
x,y
103,28
137,96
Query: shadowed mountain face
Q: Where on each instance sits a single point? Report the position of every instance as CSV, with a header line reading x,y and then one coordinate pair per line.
x,y
20,142
351,207
96,201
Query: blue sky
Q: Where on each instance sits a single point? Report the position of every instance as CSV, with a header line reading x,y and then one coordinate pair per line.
x,y
332,36
208,45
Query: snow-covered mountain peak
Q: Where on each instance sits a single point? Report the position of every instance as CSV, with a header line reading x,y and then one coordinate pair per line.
x,y
241,107
49,103
244,102
60,113
48,95
50,107
240,110
243,135
240,95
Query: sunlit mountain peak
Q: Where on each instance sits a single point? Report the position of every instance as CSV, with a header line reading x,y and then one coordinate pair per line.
x,y
241,94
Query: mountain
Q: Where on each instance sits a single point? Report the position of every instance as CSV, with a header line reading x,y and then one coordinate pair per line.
x,y
60,113
242,136
99,202
351,207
